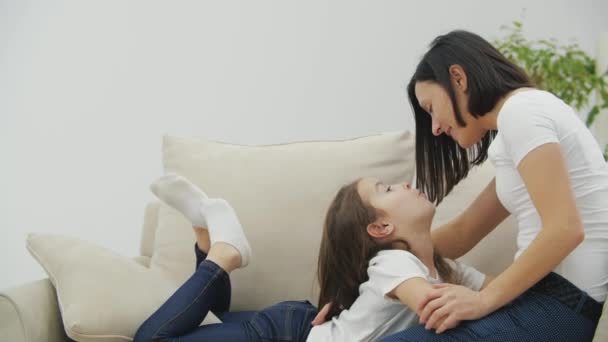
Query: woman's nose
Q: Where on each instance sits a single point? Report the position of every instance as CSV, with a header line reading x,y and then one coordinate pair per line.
x,y
436,127
406,186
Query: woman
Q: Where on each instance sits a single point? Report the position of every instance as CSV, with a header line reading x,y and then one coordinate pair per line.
x,y
376,263
470,103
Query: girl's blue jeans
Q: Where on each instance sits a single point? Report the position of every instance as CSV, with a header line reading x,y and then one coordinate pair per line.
x,y
209,289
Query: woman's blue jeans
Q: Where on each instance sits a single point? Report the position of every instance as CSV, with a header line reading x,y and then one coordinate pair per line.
x,y
554,310
208,289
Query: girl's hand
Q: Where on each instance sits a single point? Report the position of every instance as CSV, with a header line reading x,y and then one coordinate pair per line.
x,y
447,305
320,318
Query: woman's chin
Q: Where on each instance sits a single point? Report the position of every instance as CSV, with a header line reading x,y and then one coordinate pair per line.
x,y
464,144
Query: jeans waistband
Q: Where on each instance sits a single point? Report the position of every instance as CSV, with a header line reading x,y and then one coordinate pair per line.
x,y
570,295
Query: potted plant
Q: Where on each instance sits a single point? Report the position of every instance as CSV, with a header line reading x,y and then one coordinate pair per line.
x,y
565,70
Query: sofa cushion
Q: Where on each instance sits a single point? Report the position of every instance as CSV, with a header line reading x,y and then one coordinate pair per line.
x,y
102,296
281,193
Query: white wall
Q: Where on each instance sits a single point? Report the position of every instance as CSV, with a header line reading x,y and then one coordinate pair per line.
x,y
88,88
600,125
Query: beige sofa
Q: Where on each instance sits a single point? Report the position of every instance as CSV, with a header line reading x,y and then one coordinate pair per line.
x,y
31,312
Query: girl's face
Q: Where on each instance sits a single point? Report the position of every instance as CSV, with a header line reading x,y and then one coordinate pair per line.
x,y
434,99
399,204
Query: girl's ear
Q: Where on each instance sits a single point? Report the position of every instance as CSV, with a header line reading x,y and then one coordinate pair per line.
x,y
380,229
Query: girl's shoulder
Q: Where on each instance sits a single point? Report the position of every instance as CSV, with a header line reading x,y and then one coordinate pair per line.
x,y
390,268
394,253
396,258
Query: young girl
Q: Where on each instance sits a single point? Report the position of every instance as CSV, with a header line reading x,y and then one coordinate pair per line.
x,y
376,263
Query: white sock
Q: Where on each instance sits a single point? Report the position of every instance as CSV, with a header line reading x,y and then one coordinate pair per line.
x,y
224,226
180,194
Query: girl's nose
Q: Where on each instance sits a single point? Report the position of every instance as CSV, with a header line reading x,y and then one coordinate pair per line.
x,y
407,186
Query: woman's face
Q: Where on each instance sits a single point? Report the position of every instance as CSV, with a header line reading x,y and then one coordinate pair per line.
x,y
399,203
434,99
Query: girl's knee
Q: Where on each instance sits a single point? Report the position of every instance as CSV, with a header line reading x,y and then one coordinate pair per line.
x,y
147,334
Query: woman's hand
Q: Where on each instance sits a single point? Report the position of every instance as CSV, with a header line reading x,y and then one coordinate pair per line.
x,y
320,318
446,305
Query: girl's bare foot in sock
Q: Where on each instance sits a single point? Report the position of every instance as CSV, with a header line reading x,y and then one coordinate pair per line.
x,y
216,214
224,226
183,196
202,238
224,255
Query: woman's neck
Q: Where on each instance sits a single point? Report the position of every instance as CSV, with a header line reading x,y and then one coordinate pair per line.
x,y
490,120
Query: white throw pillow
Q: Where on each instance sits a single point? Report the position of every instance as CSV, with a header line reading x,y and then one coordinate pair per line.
x,y
281,194
102,296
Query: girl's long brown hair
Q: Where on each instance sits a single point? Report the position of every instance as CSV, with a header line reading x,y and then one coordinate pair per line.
x,y
347,248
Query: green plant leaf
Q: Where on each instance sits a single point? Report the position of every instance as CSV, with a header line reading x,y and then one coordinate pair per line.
x,y
562,69
592,115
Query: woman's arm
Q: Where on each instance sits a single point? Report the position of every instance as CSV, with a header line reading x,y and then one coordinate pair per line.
x,y
545,176
487,281
460,235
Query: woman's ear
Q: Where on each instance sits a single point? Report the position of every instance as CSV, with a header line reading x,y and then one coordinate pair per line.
x,y
458,77
380,229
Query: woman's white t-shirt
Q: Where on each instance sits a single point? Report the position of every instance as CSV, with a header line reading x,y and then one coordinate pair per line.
x,y
527,120
373,314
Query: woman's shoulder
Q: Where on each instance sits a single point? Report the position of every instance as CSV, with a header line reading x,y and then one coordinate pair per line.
x,y
528,100
524,95
533,105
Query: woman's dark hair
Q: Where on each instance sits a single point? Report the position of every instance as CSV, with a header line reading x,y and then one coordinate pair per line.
x,y
347,248
440,162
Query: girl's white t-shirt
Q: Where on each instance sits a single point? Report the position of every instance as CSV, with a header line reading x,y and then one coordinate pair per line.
x,y
532,118
374,314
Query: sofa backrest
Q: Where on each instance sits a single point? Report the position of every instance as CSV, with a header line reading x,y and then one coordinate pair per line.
x,y
285,254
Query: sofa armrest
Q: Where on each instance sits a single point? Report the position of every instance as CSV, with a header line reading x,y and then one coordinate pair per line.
x,y
30,313
601,332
